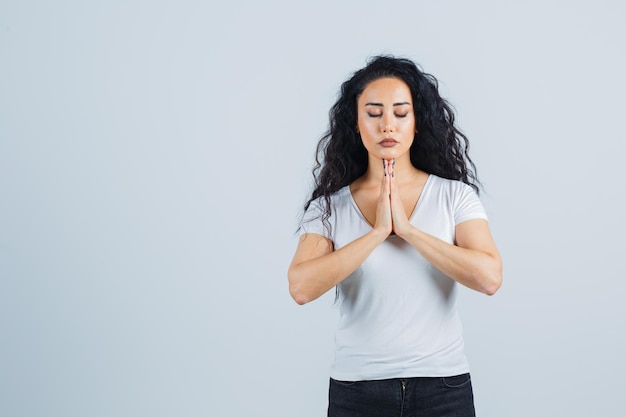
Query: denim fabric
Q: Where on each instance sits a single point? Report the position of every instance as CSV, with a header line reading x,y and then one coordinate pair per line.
x,y
403,397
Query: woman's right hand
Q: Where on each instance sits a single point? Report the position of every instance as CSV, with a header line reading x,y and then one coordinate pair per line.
x,y
383,209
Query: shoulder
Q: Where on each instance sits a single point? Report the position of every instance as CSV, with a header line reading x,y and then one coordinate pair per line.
x,y
452,189
320,218
460,198
342,196
337,199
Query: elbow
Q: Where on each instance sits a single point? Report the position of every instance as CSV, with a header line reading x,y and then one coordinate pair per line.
x,y
492,288
295,290
494,282
298,296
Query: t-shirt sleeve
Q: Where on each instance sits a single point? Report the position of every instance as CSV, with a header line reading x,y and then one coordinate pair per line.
x,y
468,205
312,220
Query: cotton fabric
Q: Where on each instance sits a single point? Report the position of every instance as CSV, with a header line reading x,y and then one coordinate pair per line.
x,y
398,314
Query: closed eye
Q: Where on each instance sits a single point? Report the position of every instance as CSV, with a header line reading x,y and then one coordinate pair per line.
x,y
402,115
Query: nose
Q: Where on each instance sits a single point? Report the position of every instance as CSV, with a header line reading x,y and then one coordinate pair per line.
x,y
387,124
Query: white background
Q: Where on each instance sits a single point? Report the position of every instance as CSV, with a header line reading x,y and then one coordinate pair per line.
x,y
154,158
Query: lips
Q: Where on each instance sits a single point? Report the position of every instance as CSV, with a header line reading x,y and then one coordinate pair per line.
x,y
388,142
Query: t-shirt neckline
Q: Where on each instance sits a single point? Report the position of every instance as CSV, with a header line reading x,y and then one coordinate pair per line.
x,y
355,206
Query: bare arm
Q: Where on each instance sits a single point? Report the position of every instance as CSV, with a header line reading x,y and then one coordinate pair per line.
x,y
474,261
316,267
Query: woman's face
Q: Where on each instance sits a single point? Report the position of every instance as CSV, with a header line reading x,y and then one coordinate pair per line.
x,y
385,118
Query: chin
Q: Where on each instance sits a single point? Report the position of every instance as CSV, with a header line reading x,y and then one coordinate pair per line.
x,y
389,155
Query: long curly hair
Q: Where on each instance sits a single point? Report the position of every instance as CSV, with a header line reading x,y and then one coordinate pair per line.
x,y
438,148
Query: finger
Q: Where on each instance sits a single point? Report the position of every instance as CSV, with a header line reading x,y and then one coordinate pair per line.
x,y
384,191
396,202
387,179
384,178
385,188
392,177
386,170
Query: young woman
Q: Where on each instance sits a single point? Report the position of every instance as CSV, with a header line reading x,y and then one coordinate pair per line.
x,y
394,223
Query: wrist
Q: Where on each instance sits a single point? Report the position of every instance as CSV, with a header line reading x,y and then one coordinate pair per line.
x,y
378,234
406,232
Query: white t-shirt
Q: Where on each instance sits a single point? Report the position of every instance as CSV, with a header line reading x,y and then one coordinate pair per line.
x,y
398,315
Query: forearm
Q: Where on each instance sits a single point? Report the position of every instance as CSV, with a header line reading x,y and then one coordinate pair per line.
x,y
478,270
310,279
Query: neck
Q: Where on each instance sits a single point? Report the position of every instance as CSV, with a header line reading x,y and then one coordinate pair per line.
x,y
403,168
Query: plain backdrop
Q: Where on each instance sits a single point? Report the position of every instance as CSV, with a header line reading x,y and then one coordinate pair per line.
x,y
155,156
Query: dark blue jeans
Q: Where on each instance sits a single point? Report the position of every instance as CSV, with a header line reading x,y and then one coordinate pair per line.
x,y
403,397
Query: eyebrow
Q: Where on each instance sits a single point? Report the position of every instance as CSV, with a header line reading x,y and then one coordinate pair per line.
x,y
402,103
